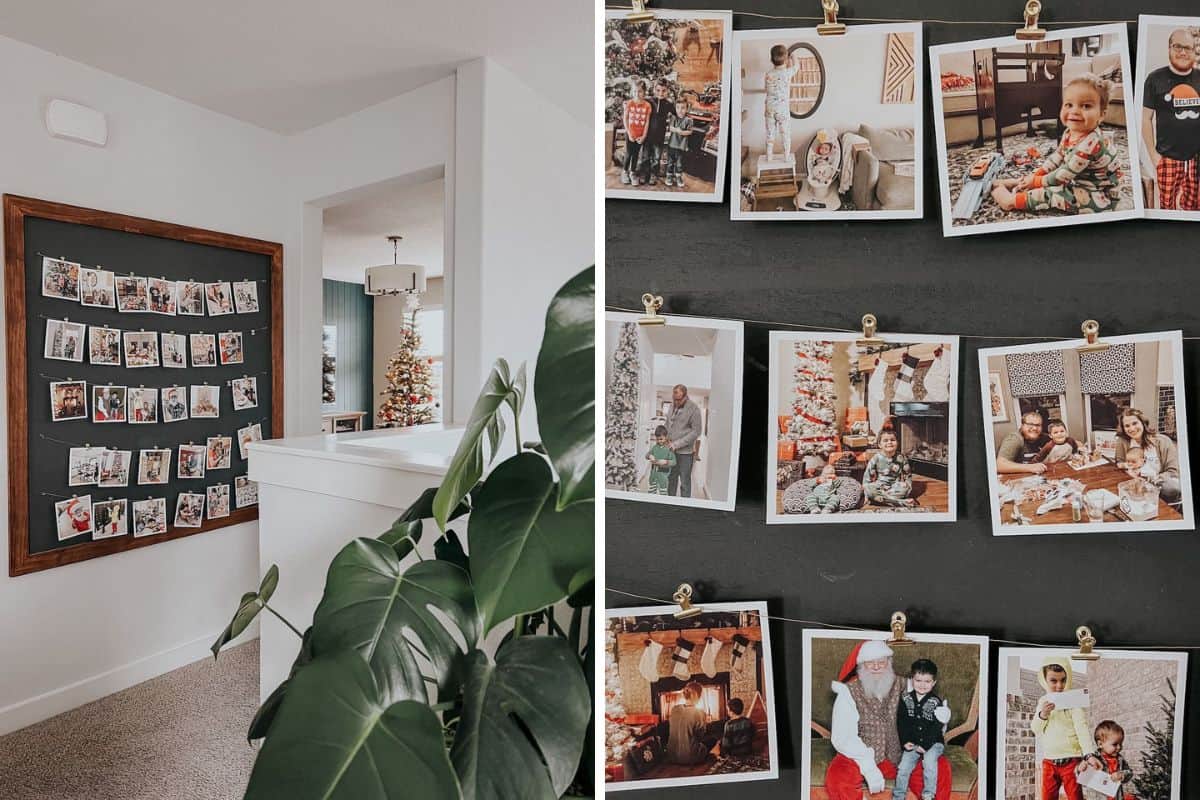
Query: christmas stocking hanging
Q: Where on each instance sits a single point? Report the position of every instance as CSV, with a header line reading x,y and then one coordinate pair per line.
x,y
681,656
648,666
904,381
737,659
708,659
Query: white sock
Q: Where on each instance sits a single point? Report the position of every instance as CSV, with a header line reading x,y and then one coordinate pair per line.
x,y
680,658
708,659
648,666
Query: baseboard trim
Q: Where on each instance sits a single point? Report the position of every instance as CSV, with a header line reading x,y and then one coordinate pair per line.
x,y
48,704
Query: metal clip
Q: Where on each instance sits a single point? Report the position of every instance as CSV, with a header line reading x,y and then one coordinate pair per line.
x,y
1091,333
1086,642
899,636
869,326
639,13
683,596
831,26
652,303
1031,31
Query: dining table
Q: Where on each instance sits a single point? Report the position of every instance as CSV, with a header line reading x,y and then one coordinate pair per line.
x,y
1106,474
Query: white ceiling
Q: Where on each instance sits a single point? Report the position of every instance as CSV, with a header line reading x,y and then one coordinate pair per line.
x,y
355,233
288,65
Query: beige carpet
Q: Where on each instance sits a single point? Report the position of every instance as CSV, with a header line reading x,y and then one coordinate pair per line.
x,y
181,736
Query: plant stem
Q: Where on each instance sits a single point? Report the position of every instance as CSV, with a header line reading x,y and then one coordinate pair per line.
x,y
519,626
517,429
576,627
284,621
554,626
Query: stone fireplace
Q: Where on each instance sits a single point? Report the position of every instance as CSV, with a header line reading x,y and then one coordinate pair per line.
x,y
923,430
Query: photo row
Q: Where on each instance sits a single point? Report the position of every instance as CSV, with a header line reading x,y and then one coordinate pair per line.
x,y
106,519
101,288
138,405
64,342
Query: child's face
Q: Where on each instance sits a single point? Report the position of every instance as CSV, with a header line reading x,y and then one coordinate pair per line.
x,y
1058,433
639,92
888,445
828,473
660,91
1080,108
923,683
661,439
1135,458
1112,744
1057,681
681,109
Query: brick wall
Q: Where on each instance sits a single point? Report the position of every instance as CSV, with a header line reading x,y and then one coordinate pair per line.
x,y
635,689
1166,411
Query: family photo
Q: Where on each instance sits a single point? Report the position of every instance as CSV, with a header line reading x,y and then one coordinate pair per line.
x,y
83,465
174,350
666,105
204,349
149,516
162,296
688,702
231,347
189,510
1168,93
673,410
141,348
68,400
1087,440
245,393
60,278
114,468
246,435
220,452
190,298
219,297
905,719
1036,133
109,404
175,403
192,459
154,467
1109,729
218,501
64,340
862,431
132,294
104,346
206,401
143,405
97,288
828,127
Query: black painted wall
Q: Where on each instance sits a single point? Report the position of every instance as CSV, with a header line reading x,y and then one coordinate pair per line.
x,y
1133,276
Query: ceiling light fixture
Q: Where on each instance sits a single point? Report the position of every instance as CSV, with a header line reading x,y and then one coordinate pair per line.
x,y
396,278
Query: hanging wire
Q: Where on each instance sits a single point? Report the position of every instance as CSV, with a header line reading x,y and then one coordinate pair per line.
x,y
932,21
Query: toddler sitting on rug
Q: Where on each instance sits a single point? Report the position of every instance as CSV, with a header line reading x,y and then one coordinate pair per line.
x,y
824,497
888,479
1083,175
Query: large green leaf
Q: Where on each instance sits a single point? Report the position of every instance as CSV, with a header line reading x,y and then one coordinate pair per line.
x,y
466,467
247,610
265,716
564,387
537,680
368,604
335,739
403,536
524,553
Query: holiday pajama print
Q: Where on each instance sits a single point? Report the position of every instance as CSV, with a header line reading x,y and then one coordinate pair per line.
x,y
778,85
822,500
888,481
1082,176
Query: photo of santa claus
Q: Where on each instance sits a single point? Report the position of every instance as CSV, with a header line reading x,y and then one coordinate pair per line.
x,y
894,721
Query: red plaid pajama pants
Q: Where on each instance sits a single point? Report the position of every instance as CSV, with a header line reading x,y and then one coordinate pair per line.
x,y
1178,187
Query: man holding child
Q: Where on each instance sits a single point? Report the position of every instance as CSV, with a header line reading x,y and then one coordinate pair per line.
x,y
1019,450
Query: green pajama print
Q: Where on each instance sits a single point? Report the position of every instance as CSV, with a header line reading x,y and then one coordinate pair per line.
x,y
888,481
659,475
824,498
1081,177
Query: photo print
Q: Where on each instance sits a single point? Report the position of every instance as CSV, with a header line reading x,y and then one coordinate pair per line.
x,y
231,347
141,348
104,346
132,294
204,349
218,501
219,297
97,288
149,516
109,404
220,452
162,296
862,433
245,296
64,340
206,401
1096,440
666,105
111,518
174,350
190,298
175,403
246,435
1034,134
673,410
830,126
189,510
907,720
143,405
83,465
60,278
73,517
245,492
245,393
68,400
688,701
1168,96
1110,728
192,458
154,467
114,468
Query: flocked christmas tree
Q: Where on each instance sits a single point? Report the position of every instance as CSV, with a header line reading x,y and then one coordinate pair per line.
x,y
620,416
643,50
617,737
1153,780
814,412
408,400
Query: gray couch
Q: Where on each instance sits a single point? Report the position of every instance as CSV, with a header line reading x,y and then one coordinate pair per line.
x,y
876,185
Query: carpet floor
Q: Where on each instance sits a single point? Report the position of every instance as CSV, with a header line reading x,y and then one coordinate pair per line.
x,y
180,736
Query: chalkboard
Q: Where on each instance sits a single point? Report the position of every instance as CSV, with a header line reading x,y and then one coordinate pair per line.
x,y
39,447
1134,276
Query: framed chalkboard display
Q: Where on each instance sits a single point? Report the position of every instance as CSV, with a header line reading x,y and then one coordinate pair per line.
x,y
141,356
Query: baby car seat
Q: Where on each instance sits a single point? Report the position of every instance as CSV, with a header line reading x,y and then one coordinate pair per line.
x,y
823,166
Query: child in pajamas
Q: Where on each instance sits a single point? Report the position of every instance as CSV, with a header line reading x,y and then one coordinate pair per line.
x,y
825,498
888,479
777,83
1083,175
662,459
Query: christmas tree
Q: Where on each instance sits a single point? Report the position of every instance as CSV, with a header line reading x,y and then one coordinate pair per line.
x,y
408,399
814,414
620,418
643,50
1153,780
617,738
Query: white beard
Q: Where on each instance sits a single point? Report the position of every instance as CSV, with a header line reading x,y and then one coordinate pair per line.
x,y
877,686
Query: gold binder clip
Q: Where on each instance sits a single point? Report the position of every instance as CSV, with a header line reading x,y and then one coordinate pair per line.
x,y
639,13
870,325
1086,642
1031,31
831,26
1091,332
652,303
899,636
683,596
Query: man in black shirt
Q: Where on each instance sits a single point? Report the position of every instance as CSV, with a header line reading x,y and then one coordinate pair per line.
x,y
737,739
1171,124
661,109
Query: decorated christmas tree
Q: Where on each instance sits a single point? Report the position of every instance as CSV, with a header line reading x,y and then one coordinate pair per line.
x,y
814,413
620,417
1153,780
617,738
408,400
642,50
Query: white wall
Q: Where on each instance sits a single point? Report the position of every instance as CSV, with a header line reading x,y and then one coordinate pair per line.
x,y
390,315
75,633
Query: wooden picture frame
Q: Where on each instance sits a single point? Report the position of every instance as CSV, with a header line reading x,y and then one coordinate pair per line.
x,y
16,210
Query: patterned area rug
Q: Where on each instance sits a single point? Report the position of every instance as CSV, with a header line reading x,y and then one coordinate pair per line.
x,y
727,765
959,159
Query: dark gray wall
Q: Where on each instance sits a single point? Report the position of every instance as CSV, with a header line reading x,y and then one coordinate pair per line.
x,y
1133,276
353,312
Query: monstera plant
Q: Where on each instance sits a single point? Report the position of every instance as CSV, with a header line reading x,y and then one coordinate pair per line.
x,y
391,694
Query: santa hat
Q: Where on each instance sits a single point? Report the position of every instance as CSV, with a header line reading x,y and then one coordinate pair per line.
x,y
869,650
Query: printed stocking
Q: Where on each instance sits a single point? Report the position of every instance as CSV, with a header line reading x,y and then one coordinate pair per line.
x,y
708,659
648,666
737,659
904,381
681,656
